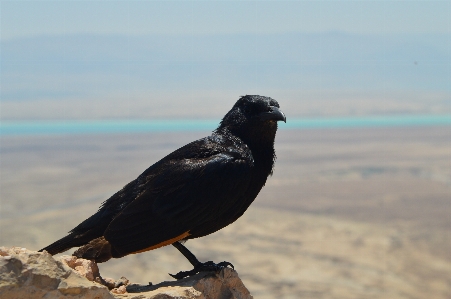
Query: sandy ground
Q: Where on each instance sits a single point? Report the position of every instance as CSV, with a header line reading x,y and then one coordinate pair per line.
x,y
348,213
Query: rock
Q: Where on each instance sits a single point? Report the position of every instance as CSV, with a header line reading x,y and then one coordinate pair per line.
x,y
224,285
85,268
30,274
119,290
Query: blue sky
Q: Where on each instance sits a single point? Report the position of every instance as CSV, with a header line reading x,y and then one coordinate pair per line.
x,y
121,59
34,18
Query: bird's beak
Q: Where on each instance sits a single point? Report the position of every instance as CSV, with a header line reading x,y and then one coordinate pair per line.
x,y
275,114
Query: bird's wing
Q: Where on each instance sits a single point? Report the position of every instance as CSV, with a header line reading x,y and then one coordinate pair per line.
x,y
184,194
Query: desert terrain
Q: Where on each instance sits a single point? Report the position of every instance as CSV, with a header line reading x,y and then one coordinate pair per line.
x,y
348,213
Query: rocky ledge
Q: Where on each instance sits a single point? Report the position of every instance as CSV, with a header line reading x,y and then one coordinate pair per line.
x,y
30,274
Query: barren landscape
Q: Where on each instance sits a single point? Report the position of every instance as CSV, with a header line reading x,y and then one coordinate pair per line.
x,y
348,213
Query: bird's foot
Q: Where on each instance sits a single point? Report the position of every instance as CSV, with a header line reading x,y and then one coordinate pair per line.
x,y
202,267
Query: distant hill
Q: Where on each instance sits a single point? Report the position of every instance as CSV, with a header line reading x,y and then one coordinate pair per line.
x,y
327,61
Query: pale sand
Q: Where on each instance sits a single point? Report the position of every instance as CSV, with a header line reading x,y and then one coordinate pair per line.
x,y
358,213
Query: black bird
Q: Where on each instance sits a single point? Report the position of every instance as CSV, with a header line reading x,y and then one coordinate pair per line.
x,y
194,191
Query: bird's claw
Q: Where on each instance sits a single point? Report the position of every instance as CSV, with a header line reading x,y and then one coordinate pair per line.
x,y
225,265
203,267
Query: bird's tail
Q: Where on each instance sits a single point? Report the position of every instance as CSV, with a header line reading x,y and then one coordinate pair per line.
x,y
66,243
98,250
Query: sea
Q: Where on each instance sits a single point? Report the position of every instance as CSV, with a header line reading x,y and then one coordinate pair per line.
x,y
55,127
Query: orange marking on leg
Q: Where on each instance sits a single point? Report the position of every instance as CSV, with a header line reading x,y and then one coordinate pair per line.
x,y
164,243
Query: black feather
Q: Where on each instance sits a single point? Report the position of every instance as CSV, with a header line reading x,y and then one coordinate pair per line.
x,y
199,188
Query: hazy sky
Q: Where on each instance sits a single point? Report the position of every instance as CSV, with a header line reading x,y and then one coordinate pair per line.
x,y
34,18
116,59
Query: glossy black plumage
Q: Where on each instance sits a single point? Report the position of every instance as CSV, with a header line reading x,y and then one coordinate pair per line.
x,y
194,191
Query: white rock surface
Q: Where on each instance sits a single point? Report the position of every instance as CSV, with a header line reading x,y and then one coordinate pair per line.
x,y
30,274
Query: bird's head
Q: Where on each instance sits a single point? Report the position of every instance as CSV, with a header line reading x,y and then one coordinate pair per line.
x,y
253,118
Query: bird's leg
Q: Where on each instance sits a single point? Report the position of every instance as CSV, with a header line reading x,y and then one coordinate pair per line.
x,y
198,266
186,253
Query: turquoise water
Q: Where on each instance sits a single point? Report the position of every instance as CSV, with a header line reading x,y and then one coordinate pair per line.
x,y
14,128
